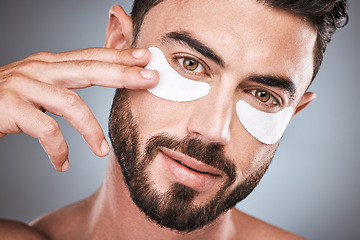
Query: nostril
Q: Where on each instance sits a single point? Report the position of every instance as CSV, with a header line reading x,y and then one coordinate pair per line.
x,y
210,133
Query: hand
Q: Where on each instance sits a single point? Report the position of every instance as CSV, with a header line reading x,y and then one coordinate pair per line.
x,y
42,81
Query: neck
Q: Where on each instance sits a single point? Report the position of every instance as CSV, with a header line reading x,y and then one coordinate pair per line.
x,y
114,214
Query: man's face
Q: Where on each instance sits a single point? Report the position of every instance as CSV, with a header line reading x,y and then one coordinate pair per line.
x,y
185,163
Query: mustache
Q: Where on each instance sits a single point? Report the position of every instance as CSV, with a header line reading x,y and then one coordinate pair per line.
x,y
211,154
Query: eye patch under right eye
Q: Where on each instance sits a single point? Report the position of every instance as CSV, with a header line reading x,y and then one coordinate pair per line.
x,y
173,86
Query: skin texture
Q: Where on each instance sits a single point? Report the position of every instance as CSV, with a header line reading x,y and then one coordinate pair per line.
x,y
260,41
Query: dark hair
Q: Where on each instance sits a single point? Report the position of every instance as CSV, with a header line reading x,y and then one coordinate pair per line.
x,y
140,8
326,16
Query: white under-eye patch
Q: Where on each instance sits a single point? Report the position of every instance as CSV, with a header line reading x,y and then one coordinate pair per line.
x,y
268,128
173,86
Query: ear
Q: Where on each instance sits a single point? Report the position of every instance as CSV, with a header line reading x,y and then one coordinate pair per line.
x,y
119,32
305,100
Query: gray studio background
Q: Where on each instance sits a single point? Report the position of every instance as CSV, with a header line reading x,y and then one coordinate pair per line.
x,y
312,187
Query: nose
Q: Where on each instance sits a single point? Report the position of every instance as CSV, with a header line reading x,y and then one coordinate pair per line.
x,y
210,119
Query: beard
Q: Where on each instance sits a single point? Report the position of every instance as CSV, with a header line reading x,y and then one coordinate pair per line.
x,y
174,209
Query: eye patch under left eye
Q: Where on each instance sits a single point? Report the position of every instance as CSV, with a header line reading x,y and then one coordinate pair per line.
x,y
173,86
266,127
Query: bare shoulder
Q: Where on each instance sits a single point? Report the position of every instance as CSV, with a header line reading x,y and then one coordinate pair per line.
x,y
14,230
68,222
255,228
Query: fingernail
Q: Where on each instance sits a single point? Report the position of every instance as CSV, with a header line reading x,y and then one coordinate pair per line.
x,y
105,147
65,166
148,74
139,53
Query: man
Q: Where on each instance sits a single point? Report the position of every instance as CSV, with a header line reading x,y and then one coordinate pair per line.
x,y
176,169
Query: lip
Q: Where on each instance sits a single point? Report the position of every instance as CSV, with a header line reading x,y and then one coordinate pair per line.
x,y
189,171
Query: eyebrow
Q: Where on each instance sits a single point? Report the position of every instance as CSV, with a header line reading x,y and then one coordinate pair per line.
x,y
275,81
192,42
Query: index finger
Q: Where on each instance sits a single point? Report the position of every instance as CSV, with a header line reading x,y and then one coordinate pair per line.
x,y
129,57
83,74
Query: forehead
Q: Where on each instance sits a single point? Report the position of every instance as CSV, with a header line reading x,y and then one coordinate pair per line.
x,y
249,36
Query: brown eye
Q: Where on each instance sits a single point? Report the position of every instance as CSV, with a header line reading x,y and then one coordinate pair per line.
x,y
190,64
263,96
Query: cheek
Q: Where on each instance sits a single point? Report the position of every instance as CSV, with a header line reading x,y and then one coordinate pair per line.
x,y
155,115
246,152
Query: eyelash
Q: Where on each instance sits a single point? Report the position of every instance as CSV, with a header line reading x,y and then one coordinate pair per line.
x,y
179,63
275,101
